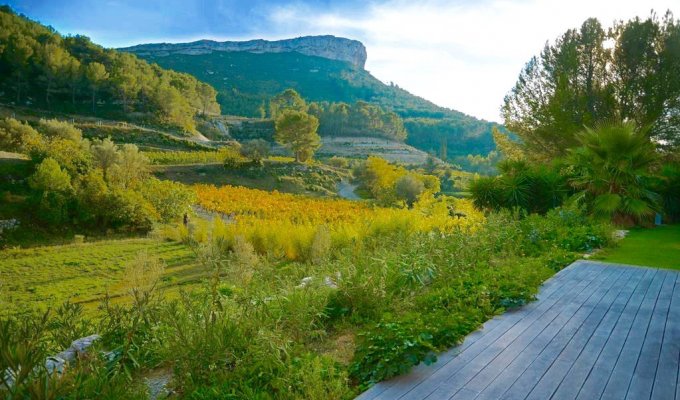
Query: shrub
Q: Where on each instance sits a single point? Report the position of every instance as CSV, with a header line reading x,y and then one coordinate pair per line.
x,y
532,188
612,169
392,348
321,245
338,162
170,199
127,208
408,188
255,150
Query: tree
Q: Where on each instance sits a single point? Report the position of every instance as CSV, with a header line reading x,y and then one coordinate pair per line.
x,y
580,80
55,60
612,169
18,54
124,78
49,177
131,168
56,129
297,131
409,188
170,199
105,154
288,100
16,136
96,74
73,74
510,149
255,150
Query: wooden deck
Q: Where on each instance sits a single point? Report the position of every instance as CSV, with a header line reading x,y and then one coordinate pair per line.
x,y
597,331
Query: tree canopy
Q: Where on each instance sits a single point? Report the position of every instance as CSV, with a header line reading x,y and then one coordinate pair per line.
x,y
297,131
592,75
39,67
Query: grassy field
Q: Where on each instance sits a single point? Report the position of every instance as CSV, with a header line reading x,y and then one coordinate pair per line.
x,y
658,247
84,273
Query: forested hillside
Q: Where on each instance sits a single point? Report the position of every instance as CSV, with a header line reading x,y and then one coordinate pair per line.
x,y
40,68
246,81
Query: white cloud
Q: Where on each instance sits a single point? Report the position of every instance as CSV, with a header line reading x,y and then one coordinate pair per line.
x,y
459,54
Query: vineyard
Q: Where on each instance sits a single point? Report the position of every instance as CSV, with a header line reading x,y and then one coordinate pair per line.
x,y
191,157
292,226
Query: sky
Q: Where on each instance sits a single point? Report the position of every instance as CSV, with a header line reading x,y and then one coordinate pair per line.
x,y
461,54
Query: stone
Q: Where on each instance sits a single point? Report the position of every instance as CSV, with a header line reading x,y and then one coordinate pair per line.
x,y
81,345
55,364
306,281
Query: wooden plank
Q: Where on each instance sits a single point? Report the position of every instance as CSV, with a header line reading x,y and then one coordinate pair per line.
x,y
573,282
515,370
571,350
645,371
520,336
572,382
594,384
596,331
496,326
533,373
619,380
502,376
665,381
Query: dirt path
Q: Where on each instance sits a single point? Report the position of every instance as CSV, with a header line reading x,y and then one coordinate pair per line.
x,y
346,190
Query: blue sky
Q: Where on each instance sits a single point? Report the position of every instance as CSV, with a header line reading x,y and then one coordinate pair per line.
x,y
462,54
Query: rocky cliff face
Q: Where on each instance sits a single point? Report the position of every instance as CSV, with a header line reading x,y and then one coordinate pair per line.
x,y
330,47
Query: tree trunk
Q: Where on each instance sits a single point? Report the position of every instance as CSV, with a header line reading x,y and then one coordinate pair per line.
x,y
18,89
47,93
94,109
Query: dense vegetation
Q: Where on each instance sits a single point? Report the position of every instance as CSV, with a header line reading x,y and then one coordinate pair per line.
x,y
96,185
265,328
596,126
246,82
40,68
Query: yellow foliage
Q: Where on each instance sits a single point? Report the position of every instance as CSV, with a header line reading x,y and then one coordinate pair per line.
x,y
287,226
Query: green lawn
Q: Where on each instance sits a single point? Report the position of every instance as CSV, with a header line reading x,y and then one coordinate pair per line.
x,y
84,273
657,247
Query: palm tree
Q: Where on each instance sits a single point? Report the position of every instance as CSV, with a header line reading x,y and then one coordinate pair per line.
x,y
612,171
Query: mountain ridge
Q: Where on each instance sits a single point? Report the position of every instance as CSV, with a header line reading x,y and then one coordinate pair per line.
x,y
325,46
247,80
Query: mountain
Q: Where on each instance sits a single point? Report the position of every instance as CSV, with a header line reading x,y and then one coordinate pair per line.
x,y
322,69
330,47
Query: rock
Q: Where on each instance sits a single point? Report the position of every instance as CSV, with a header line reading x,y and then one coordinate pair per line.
x,y
55,364
620,234
327,46
157,383
306,281
81,345
330,283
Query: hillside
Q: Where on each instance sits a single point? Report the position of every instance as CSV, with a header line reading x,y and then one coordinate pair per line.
x,y
41,69
246,80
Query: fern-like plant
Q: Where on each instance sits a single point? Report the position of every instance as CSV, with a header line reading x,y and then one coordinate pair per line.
x,y
612,171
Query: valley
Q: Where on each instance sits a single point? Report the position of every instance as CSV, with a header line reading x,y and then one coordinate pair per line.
x,y
268,220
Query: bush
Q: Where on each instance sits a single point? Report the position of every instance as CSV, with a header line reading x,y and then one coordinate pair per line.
x,y
171,200
533,188
408,188
255,150
338,162
127,208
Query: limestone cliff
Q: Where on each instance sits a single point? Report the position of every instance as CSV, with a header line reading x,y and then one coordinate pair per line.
x,y
331,47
